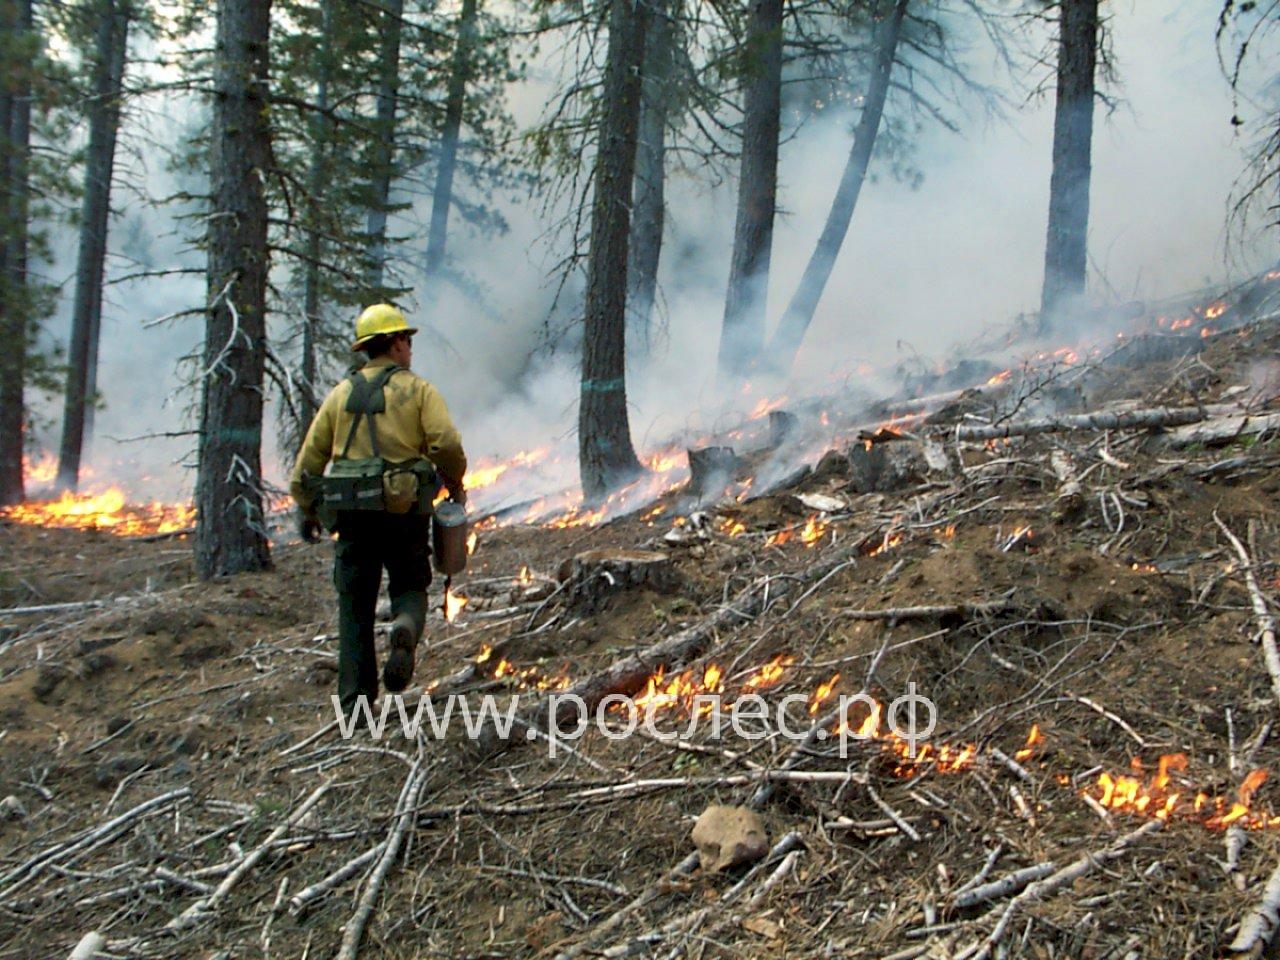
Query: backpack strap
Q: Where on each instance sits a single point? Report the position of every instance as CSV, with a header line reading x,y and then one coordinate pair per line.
x,y
367,397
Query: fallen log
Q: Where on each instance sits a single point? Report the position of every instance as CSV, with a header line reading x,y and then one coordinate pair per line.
x,y
1223,429
1145,419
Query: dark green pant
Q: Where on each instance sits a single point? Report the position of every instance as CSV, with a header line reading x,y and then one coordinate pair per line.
x,y
367,543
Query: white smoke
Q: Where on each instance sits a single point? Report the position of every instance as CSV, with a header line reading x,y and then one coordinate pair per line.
x,y
923,269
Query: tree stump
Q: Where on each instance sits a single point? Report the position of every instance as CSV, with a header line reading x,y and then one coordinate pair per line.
x,y
886,467
781,425
593,576
711,469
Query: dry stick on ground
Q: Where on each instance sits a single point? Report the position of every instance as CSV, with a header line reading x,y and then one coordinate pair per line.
x,y
1265,621
928,612
1051,884
404,816
33,866
304,897
1259,926
204,907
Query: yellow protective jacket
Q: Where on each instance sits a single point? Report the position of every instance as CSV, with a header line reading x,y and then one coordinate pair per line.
x,y
415,424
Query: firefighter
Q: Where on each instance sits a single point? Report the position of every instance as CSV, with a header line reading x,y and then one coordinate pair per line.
x,y
389,444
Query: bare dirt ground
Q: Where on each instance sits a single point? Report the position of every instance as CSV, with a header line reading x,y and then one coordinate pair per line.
x,y
1118,620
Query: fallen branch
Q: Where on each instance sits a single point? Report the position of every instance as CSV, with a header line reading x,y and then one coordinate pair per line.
x,y
37,863
404,816
1259,926
1009,883
307,895
1266,623
1055,882
204,907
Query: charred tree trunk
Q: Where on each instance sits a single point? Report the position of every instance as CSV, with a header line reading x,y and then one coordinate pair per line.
x,y
1066,245
15,147
230,532
455,102
649,210
795,322
606,458
384,153
86,316
317,174
742,334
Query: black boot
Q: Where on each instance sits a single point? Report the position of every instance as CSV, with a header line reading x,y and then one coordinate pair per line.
x,y
398,670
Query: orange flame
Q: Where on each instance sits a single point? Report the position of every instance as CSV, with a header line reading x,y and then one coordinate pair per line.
x,y
1127,793
822,694
106,511
453,604
814,530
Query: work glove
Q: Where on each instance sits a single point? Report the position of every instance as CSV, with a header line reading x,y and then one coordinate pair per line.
x,y
458,494
308,527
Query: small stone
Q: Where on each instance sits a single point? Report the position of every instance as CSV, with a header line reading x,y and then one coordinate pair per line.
x,y
728,836
11,808
48,677
821,502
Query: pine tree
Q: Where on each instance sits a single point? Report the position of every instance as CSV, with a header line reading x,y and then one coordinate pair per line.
x,y
108,66
606,458
231,533
1066,246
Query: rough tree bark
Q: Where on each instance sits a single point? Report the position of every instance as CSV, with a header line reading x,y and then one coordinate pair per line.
x,y
385,149
1066,241
742,333
649,210
455,102
15,144
317,174
111,45
606,458
795,322
230,532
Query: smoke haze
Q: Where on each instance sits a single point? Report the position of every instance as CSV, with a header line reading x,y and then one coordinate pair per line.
x,y
922,269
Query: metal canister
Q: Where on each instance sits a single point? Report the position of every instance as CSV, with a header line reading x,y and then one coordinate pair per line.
x,y
449,538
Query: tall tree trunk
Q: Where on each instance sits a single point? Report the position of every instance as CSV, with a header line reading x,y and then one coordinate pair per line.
x,y
15,143
795,322
742,334
231,533
1066,246
86,313
317,175
649,211
384,150
606,458
455,101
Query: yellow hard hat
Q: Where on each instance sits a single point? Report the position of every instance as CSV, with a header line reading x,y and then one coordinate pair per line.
x,y
379,319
